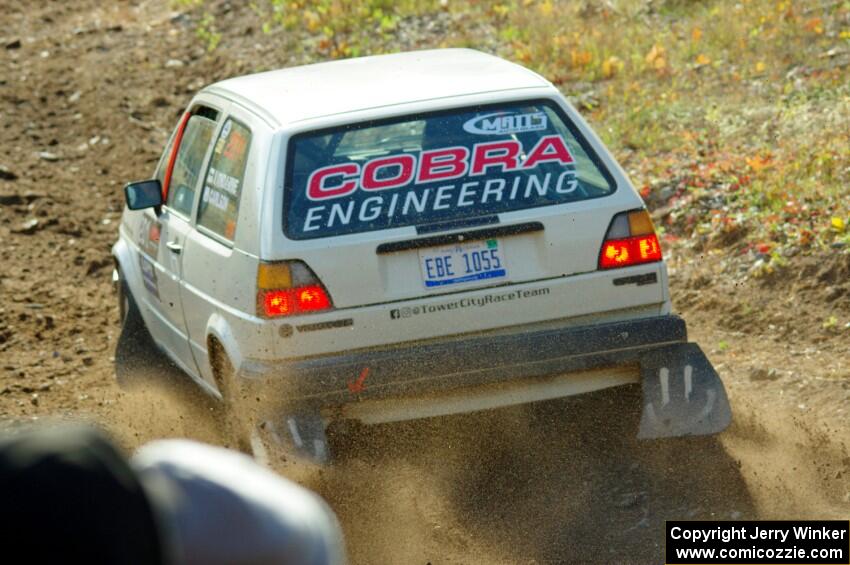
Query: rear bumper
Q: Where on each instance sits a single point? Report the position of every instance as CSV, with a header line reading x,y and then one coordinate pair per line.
x,y
682,393
411,370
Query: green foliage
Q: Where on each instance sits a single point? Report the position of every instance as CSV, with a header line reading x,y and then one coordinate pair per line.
x,y
207,33
343,28
205,30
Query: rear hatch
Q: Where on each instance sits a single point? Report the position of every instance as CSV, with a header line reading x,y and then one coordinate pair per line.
x,y
447,202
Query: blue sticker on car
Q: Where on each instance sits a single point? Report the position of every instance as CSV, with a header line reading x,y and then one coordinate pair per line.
x,y
148,271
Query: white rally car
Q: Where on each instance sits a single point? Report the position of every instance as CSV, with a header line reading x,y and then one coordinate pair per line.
x,y
399,237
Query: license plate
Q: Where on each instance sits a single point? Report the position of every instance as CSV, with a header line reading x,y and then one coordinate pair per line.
x,y
462,263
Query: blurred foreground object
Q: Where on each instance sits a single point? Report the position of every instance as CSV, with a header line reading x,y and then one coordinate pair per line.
x,y
70,496
222,507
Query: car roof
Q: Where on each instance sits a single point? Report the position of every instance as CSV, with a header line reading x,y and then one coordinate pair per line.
x,y
337,87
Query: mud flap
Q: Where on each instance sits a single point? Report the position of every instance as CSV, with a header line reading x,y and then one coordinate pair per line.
x,y
682,394
303,435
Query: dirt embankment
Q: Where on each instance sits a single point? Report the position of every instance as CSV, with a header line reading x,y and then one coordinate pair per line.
x,y
88,94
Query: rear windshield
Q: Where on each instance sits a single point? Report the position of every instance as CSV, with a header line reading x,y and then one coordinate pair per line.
x,y
435,168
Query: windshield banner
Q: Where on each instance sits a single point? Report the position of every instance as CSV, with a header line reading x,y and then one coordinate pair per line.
x,y
488,177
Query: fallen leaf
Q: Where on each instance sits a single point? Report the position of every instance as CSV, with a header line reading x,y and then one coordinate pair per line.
x,y
611,66
580,58
815,25
657,52
759,162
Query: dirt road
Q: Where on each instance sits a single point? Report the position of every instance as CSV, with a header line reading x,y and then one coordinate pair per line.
x,y
88,94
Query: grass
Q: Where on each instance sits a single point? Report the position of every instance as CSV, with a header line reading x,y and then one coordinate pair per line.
x,y
737,112
732,117
345,28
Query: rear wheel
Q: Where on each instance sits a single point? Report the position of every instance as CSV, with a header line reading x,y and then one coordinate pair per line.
x,y
136,355
236,413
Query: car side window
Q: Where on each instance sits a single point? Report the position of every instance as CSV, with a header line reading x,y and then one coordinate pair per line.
x,y
187,165
219,206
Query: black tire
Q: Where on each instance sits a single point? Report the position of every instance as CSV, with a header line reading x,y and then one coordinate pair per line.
x,y
130,318
136,354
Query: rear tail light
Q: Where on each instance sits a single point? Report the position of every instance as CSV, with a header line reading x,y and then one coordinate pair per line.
x,y
630,240
289,288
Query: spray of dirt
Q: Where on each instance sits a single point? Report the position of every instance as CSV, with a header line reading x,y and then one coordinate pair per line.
x,y
561,481
791,465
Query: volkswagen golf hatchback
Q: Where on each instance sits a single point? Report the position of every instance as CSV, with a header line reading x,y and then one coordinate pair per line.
x,y
399,237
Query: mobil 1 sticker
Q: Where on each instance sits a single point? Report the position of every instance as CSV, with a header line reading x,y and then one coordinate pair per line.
x,y
502,123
